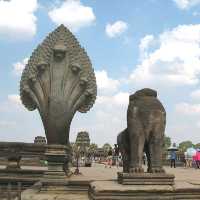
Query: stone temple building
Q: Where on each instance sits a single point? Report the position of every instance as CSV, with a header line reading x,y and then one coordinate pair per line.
x,y
40,140
83,141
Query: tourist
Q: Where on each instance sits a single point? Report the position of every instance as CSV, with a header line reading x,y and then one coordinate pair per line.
x,y
190,160
197,159
144,158
120,159
173,159
185,160
109,158
116,155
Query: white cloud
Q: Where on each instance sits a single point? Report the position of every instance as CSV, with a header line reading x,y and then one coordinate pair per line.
x,y
73,14
144,45
170,63
198,124
4,123
17,18
145,42
188,109
16,121
119,99
116,29
175,62
122,98
196,14
105,83
14,99
185,4
195,94
105,120
19,66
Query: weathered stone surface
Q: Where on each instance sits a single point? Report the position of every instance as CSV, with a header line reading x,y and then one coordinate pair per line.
x,y
76,190
23,154
14,157
56,156
70,196
124,146
145,178
27,177
58,81
146,119
111,190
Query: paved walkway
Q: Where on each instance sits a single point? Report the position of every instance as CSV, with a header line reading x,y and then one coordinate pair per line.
x,y
99,172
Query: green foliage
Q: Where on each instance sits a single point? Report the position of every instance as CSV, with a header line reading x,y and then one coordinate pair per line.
x,y
93,147
106,147
167,142
197,146
183,146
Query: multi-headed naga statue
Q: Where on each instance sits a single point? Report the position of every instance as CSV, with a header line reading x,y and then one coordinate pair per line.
x,y
58,81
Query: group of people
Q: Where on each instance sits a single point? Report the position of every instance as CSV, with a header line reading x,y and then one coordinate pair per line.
x,y
190,159
114,155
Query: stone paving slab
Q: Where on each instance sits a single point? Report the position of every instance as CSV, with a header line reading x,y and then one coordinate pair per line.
x,y
58,197
114,186
111,190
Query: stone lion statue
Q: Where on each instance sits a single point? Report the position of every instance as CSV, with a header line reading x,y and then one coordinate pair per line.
x,y
146,120
124,146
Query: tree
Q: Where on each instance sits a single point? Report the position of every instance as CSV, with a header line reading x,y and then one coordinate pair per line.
x,y
167,142
197,146
106,147
93,147
183,146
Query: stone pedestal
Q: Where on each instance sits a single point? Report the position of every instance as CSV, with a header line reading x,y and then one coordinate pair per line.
x,y
145,178
55,176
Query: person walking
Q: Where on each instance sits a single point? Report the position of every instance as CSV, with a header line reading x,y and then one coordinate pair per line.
x,y
110,154
116,155
186,161
144,158
198,159
109,158
173,159
190,161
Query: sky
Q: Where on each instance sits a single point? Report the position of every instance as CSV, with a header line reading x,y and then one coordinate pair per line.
x,y
132,45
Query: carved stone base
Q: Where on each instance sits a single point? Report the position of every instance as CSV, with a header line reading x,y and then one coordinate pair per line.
x,y
55,176
145,178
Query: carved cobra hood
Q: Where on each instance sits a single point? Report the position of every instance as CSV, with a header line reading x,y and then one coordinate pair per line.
x,y
58,80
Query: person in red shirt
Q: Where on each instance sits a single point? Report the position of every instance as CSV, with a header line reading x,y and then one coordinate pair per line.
x,y
198,159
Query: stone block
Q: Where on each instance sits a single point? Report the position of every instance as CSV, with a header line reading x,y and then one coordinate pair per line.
x,y
145,178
